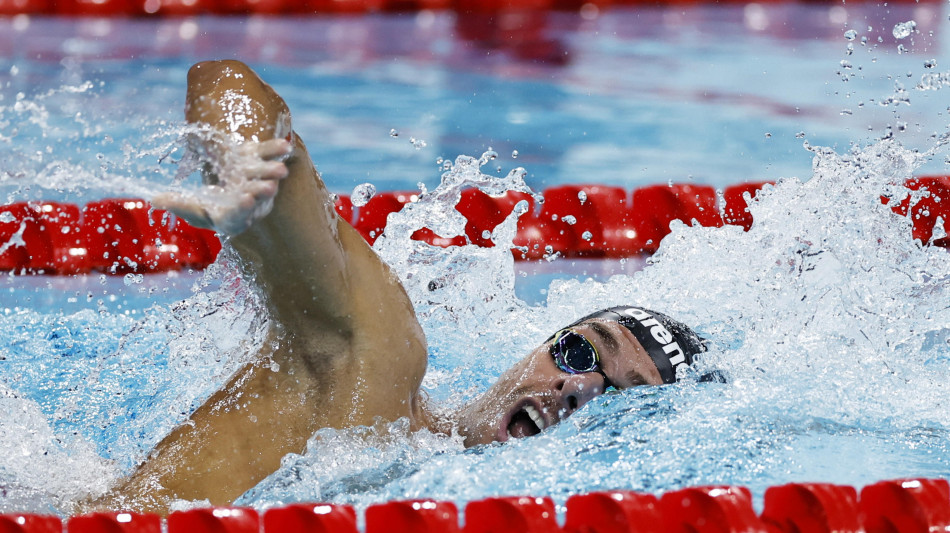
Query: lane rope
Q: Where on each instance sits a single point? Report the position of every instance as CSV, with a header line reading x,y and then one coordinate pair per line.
x,y
177,8
894,506
127,235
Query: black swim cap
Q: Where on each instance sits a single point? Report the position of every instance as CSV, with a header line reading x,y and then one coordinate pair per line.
x,y
669,343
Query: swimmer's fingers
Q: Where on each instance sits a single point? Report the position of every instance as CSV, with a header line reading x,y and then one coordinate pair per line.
x,y
263,189
185,207
274,149
268,170
255,163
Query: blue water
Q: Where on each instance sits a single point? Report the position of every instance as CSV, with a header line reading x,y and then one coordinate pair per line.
x,y
830,320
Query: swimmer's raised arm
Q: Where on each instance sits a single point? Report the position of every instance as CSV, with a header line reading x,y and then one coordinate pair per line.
x,y
344,348
290,240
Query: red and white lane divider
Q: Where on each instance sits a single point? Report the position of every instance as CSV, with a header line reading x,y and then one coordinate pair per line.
x,y
119,236
899,506
130,8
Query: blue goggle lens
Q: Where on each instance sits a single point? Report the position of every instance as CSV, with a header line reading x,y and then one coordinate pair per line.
x,y
573,353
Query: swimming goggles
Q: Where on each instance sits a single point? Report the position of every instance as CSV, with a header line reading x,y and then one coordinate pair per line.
x,y
574,354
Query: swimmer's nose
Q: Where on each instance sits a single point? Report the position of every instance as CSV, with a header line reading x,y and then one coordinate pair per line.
x,y
577,389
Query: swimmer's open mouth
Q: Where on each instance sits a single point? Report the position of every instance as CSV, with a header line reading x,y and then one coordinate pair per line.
x,y
526,421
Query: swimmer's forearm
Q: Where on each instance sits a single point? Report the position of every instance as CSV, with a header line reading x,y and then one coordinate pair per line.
x,y
295,252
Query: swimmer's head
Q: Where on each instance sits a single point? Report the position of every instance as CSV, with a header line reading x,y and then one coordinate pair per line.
x,y
620,347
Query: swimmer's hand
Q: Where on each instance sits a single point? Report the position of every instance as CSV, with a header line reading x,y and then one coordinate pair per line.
x,y
241,185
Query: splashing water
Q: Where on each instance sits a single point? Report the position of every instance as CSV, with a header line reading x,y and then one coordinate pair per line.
x,y
830,321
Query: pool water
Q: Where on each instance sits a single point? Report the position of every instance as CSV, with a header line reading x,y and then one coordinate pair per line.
x,y
831,323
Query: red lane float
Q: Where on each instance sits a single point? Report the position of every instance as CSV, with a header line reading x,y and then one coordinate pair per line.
x,y
613,512
899,506
311,518
215,520
115,522
511,515
710,510
126,8
114,236
118,236
906,506
413,516
812,508
30,523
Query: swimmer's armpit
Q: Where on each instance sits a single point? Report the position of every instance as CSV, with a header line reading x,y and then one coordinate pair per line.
x,y
245,177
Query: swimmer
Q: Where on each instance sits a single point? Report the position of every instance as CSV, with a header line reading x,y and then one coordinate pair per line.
x,y
344,346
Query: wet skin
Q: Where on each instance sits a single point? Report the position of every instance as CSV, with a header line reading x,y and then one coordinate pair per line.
x,y
535,394
343,334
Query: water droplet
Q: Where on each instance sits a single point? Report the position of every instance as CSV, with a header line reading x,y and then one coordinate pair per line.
x,y
570,220
930,63
845,63
768,135
587,235
514,154
7,217
486,234
521,207
393,133
582,196
132,279
362,193
850,35
901,49
489,155
846,112
904,29
800,135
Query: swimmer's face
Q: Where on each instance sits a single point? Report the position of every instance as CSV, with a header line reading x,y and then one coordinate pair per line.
x,y
535,394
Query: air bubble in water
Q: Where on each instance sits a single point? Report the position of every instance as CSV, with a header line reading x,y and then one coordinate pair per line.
x,y
362,193
850,35
904,29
